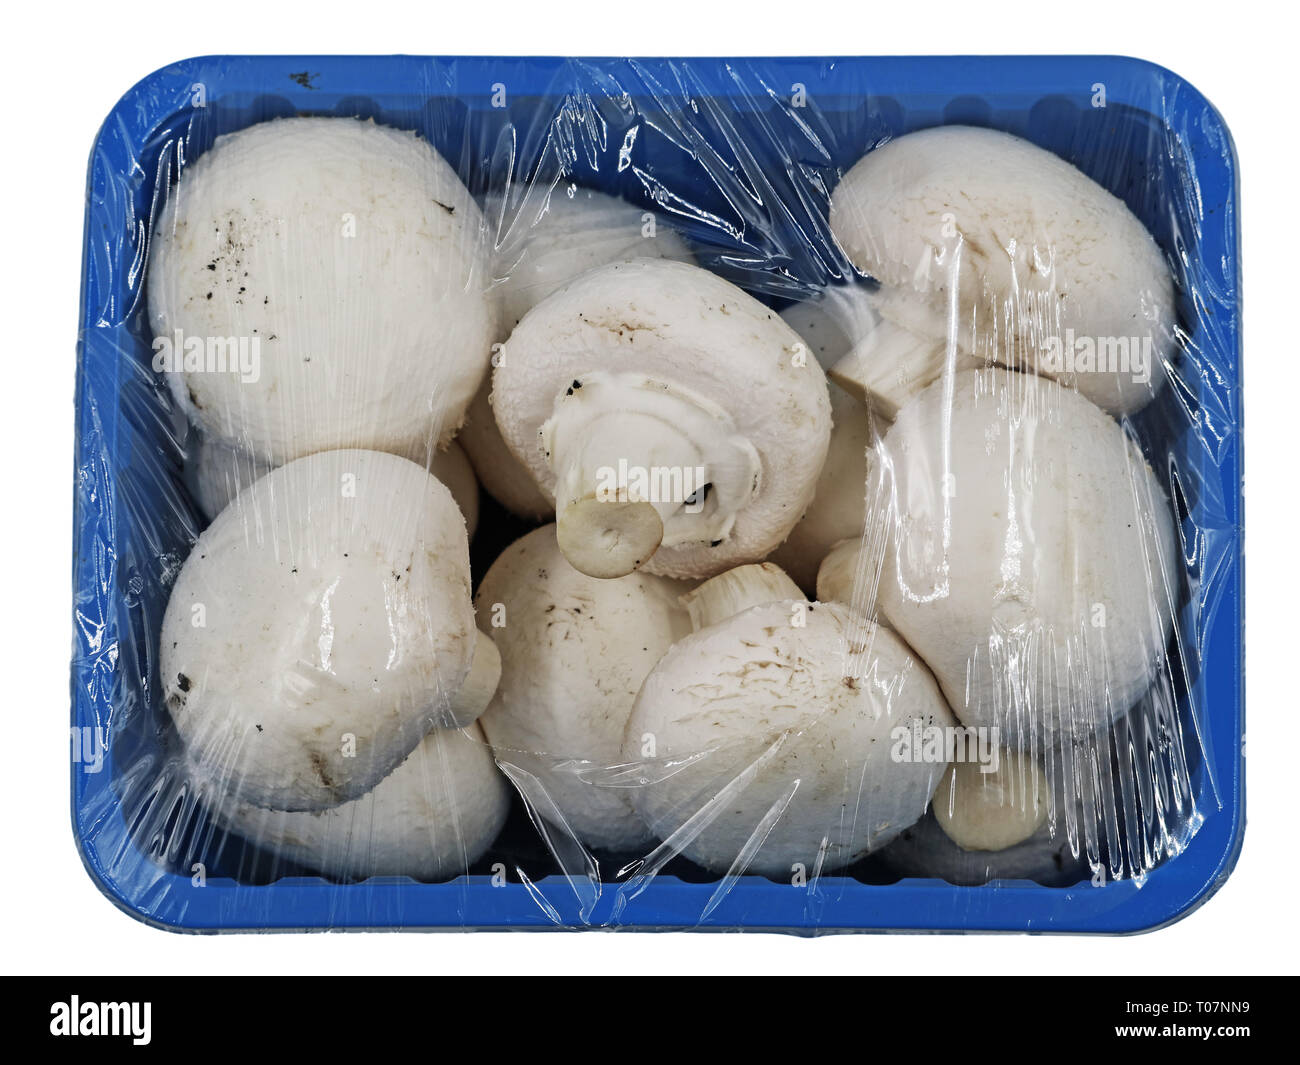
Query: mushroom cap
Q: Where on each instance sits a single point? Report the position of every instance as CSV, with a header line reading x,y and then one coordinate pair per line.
x,y
759,695
555,235
831,325
1037,247
850,572
838,509
354,257
217,472
1032,563
319,629
685,326
500,473
574,651
220,472
452,467
429,819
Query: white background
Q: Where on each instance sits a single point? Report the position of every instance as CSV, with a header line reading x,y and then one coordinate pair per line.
x,y
66,68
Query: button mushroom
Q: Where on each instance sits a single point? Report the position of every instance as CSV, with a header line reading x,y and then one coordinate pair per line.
x,y
321,283
552,235
1032,561
542,243
574,651
320,628
216,472
991,807
924,850
850,572
1016,256
429,819
500,473
763,739
677,421
219,472
1018,822
830,325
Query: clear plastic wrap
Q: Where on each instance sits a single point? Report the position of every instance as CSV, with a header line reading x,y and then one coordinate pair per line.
x,y
784,494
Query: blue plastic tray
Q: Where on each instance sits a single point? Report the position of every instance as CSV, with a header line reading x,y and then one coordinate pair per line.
x,y
1157,144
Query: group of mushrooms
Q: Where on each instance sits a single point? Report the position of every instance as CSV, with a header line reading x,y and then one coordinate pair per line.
x,y
890,517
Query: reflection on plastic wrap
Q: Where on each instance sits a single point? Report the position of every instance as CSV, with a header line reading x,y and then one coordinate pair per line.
x,y
798,495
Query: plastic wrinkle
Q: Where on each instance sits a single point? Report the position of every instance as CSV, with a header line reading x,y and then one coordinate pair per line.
x,y
645,870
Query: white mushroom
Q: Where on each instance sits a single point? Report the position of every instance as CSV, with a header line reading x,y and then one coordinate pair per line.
x,y
542,243
1014,823
764,741
502,476
216,472
1032,563
342,266
830,325
320,628
1006,250
429,819
219,472
990,807
722,597
924,850
680,424
574,651
850,574
552,235
452,467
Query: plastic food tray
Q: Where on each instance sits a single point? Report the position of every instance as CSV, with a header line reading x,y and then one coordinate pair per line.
x,y
742,143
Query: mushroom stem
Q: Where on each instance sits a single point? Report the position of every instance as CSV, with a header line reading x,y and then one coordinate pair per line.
x,y
992,811
468,704
890,365
727,594
638,463
608,539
